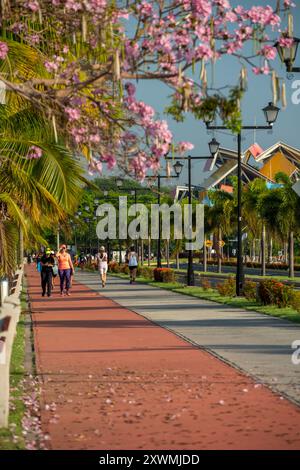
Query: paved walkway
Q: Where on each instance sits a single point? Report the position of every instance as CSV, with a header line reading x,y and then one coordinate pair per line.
x,y
258,344
115,380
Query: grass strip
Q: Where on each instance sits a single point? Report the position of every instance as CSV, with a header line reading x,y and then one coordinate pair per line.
x,y
12,437
286,313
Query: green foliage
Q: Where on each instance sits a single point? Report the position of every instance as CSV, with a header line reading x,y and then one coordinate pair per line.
x,y
205,284
228,108
250,290
175,110
295,301
164,275
146,272
228,287
272,292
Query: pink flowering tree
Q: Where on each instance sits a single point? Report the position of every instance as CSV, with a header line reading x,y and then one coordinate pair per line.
x,y
89,53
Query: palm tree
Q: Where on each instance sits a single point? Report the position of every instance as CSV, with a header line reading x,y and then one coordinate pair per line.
x,y
36,193
253,212
288,214
221,217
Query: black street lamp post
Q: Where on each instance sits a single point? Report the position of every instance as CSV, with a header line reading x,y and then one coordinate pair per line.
x,y
189,158
271,113
178,168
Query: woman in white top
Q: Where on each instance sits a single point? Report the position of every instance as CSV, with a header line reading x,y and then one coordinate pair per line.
x,y
102,260
132,264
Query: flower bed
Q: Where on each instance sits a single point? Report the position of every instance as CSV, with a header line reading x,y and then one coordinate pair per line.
x,y
164,275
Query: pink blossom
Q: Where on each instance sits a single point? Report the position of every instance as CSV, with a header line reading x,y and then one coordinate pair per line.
x,y
232,47
32,5
203,52
288,3
34,152
109,159
3,50
132,49
130,88
263,15
73,113
51,66
184,146
94,138
265,70
269,52
73,5
286,42
145,9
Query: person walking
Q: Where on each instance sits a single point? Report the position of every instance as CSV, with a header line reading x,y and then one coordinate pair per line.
x,y
47,263
102,261
54,270
65,270
82,260
132,264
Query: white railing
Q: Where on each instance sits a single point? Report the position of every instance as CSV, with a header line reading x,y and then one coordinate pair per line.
x,y
9,316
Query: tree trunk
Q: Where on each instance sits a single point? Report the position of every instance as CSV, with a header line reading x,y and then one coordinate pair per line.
x,y
21,247
219,252
253,250
177,260
271,250
149,250
58,242
263,251
168,252
204,256
291,255
142,253
286,254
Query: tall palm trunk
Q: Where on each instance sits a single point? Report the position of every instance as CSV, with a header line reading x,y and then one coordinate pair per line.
x,y
219,252
263,250
286,252
142,253
177,260
204,256
291,255
168,252
253,250
21,247
270,250
149,250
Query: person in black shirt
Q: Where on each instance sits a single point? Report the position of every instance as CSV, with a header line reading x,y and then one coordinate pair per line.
x,y
47,262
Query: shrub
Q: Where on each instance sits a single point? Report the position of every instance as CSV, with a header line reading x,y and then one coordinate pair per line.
x,y
91,266
272,292
205,284
124,268
250,290
295,300
168,275
146,272
113,267
164,275
227,288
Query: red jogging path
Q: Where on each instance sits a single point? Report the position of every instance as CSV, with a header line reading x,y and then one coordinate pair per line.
x,y
114,380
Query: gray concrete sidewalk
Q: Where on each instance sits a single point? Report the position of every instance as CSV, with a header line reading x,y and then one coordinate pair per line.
x,y
258,344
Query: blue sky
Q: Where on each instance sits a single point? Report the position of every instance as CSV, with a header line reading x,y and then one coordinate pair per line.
x,y
258,95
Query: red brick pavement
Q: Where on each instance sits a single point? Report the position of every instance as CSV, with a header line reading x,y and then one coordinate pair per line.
x,y
118,381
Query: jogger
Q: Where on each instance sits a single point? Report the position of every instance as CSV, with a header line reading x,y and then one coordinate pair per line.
x,y
133,264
